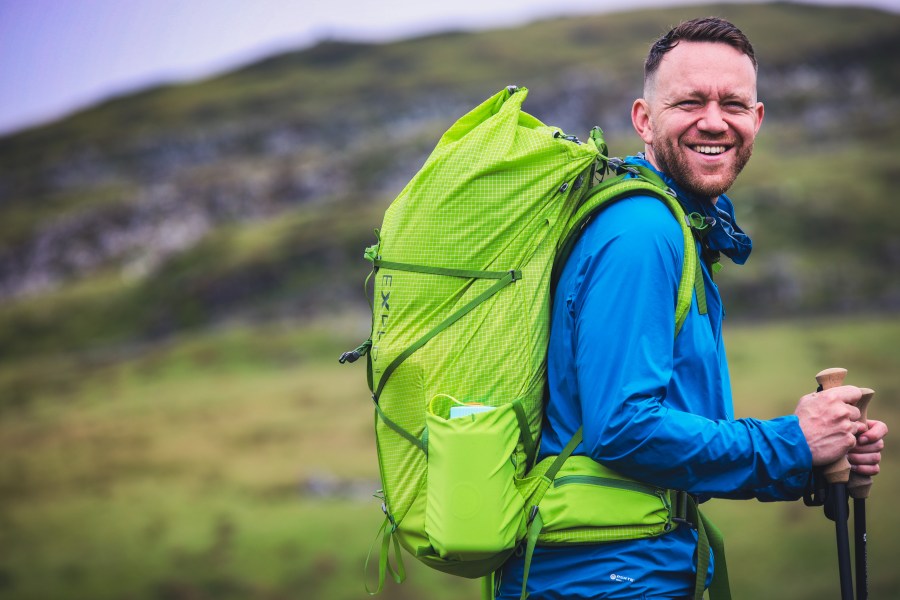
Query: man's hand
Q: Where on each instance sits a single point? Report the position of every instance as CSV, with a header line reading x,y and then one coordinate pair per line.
x,y
828,420
866,455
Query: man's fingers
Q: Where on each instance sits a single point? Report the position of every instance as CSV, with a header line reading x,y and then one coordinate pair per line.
x,y
868,458
842,400
849,394
846,393
870,470
876,431
868,448
830,421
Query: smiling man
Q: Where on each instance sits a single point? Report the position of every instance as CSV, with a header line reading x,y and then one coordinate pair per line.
x,y
655,404
699,114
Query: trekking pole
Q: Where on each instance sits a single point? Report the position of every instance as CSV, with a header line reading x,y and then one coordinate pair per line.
x,y
838,474
859,486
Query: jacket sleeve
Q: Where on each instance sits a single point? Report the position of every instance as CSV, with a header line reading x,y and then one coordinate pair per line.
x,y
623,311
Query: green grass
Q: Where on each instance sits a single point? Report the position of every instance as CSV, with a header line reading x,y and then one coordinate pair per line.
x,y
181,473
184,470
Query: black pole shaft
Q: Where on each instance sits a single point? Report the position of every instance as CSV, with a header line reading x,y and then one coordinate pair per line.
x,y
843,539
859,546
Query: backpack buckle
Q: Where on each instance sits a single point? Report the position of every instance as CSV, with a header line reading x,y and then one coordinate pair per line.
x,y
683,522
680,510
389,516
353,355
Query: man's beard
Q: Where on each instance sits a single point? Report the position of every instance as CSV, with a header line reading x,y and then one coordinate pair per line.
x,y
672,161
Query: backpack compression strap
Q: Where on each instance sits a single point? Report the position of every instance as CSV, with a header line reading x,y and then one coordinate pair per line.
x,y
503,278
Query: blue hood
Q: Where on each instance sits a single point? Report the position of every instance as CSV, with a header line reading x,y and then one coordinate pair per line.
x,y
725,235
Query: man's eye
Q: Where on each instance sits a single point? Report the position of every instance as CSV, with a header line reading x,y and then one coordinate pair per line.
x,y
689,103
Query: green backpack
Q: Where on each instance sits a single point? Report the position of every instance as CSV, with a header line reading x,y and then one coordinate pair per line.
x,y
462,271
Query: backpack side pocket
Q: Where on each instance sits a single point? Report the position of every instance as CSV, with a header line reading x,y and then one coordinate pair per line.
x,y
473,509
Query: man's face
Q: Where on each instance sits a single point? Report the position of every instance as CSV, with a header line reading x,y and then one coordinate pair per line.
x,y
700,116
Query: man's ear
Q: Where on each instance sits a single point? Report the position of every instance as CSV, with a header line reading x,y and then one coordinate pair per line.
x,y
760,111
640,119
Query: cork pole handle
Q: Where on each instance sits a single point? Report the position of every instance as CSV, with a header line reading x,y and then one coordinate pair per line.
x,y
839,470
859,485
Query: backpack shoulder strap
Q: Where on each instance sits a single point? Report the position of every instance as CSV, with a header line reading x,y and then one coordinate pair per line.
x,y
622,186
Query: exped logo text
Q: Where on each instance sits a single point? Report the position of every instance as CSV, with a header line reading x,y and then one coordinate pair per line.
x,y
386,282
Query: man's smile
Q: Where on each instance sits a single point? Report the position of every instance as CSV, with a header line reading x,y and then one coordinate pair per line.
x,y
709,149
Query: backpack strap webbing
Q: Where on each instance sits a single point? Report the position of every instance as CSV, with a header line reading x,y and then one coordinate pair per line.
x,y
504,280
700,290
487,586
398,574
708,537
535,521
638,183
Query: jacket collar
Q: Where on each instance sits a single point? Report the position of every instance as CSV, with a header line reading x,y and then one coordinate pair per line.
x,y
724,235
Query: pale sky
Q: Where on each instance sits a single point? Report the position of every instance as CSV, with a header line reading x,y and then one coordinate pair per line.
x,y
57,56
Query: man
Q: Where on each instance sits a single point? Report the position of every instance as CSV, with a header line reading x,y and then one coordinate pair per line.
x,y
654,406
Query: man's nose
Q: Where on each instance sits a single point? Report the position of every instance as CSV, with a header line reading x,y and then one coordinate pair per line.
x,y
712,120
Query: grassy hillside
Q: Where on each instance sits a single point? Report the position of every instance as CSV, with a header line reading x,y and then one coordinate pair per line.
x,y
240,464
291,161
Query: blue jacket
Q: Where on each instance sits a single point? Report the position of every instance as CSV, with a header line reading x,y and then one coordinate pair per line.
x,y
654,406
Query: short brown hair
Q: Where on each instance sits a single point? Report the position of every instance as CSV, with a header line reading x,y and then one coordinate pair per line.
x,y
706,29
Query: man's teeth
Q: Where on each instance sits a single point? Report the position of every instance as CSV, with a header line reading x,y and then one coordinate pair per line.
x,y
710,149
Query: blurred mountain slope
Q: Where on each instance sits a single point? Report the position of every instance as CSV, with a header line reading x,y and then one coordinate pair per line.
x,y
251,195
